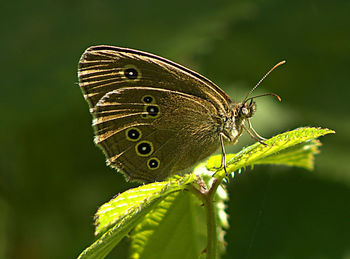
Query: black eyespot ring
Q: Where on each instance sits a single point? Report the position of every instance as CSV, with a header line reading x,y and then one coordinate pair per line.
x,y
153,163
152,110
133,134
144,148
148,99
131,73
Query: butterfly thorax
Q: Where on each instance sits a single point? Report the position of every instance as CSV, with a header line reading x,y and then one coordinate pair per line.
x,y
233,122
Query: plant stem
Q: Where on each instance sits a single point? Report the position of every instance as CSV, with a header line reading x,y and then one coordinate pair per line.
x,y
211,228
211,219
207,196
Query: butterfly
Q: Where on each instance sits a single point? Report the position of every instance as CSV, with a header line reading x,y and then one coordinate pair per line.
x,y
153,117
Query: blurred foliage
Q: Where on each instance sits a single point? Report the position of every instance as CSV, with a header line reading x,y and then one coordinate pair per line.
x,y
53,178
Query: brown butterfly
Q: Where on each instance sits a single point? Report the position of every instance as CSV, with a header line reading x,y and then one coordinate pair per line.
x,y
153,117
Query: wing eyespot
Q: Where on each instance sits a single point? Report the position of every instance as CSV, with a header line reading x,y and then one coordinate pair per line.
x,y
144,148
131,73
133,134
153,163
148,99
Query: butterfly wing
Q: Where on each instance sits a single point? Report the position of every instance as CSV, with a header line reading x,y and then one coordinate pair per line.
x,y
149,141
105,68
152,117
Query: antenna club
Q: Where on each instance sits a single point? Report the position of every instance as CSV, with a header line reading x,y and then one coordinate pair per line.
x,y
277,65
282,62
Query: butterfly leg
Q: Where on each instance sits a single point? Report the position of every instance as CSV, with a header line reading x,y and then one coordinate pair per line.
x,y
256,133
223,153
253,136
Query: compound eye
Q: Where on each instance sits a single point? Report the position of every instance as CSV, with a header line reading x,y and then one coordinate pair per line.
x,y
245,111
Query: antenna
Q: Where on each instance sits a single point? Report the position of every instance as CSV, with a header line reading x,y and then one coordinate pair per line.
x,y
262,79
260,95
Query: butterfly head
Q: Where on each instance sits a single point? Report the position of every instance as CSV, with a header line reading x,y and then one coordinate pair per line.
x,y
242,112
233,124
245,110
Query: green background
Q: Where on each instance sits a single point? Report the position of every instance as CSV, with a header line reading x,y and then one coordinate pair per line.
x,y
53,178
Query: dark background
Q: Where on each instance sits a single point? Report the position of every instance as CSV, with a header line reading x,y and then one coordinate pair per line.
x,y
53,178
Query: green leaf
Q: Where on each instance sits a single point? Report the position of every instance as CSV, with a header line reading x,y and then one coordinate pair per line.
x,y
169,223
300,155
116,218
287,148
174,229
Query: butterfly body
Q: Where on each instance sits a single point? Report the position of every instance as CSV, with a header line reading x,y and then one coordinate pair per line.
x,y
153,117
